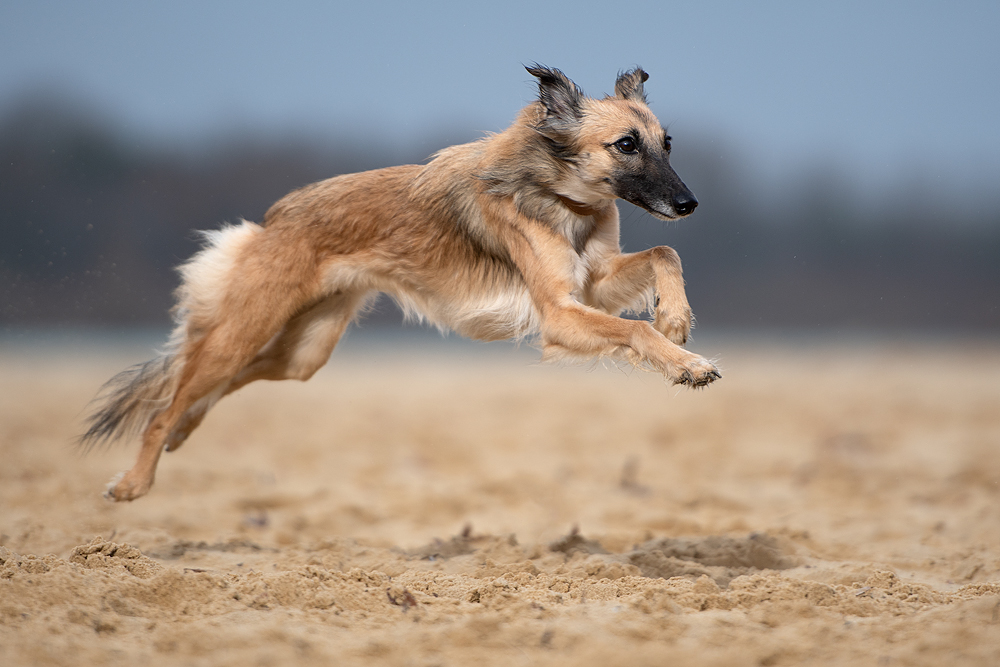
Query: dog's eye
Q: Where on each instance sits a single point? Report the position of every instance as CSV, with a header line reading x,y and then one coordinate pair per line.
x,y
627,145
666,144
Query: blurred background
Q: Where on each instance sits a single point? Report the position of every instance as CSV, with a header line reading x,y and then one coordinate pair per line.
x,y
846,155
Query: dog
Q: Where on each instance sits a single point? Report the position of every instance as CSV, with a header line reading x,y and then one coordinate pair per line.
x,y
513,235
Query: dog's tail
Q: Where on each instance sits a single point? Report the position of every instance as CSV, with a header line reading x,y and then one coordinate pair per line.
x,y
130,399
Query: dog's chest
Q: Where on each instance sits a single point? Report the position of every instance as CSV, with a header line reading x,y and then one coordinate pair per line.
x,y
510,312
581,274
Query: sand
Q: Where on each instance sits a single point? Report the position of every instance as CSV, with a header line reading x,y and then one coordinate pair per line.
x,y
826,503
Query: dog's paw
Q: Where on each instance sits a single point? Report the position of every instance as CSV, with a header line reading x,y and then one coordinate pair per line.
x,y
676,328
697,372
122,488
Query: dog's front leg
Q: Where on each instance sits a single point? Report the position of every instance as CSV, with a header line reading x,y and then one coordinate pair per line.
x,y
673,314
573,329
570,329
629,280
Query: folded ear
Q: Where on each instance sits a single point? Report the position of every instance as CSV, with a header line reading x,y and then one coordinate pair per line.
x,y
560,97
629,85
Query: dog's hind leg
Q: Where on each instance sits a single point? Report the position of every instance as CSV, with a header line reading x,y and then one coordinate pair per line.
x,y
306,342
206,367
300,349
209,364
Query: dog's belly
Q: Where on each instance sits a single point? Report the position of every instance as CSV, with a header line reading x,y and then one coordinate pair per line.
x,y
502,316
510,314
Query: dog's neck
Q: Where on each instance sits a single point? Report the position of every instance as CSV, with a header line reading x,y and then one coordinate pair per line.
x,y
582,210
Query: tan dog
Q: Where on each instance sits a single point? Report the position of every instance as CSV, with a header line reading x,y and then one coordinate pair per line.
x,y
512,235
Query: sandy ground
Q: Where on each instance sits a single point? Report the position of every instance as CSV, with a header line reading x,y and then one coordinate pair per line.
x,y
823,504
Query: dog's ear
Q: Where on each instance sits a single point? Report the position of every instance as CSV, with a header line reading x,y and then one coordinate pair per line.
x,y
559,96
629,85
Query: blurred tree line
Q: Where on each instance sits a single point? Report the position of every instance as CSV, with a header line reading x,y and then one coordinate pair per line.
x,y
93,226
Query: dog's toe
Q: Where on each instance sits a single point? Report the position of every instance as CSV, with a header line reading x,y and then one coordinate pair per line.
x,y
124,486
701,373
708,378
109,490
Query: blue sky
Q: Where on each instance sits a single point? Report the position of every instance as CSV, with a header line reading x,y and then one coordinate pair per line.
x,y
883,90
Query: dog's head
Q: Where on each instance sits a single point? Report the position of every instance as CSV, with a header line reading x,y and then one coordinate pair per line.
x,y
612,147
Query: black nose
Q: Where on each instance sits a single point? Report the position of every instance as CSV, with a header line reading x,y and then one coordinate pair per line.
x,y
684,204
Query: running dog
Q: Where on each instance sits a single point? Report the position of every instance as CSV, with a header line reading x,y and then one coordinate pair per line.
x,y
514,235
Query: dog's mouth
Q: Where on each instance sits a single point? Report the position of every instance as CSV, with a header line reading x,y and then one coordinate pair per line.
x,y
675,209
661,214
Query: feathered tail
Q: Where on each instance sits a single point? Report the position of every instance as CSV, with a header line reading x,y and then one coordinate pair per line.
x,y
130,399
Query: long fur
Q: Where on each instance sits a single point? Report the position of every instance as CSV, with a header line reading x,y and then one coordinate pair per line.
x,y
130,399
511,236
